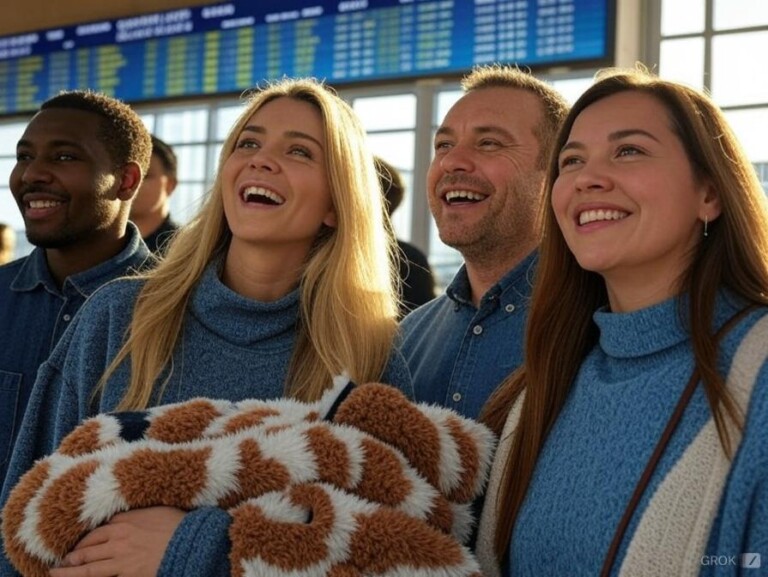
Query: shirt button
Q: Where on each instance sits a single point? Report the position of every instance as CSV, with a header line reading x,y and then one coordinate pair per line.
x,y
456,397
477,329
67,318
509,308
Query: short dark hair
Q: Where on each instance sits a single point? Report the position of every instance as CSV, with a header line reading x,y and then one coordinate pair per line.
x,y
121,130
391,184
167,156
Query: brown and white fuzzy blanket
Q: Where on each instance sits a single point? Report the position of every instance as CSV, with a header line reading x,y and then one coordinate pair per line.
x,y
368,482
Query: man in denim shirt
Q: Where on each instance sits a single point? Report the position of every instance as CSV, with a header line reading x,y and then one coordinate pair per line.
x,y
484,190
78,166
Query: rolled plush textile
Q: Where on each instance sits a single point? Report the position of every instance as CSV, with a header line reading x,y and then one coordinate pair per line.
x,y
379,481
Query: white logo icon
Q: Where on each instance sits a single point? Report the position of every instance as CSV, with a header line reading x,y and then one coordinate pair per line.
x,y
751,560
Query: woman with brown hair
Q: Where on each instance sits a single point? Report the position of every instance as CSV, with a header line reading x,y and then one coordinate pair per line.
x,y
629,444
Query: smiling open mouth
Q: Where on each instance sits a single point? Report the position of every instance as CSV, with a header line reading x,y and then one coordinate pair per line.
x,y
463,197
257,195
599,215
43,203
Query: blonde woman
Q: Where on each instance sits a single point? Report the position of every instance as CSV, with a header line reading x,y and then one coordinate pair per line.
x,y
282,281
639,444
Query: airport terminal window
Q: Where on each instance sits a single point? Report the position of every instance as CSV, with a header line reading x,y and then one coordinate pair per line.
x,y
10,132
731,14
754,142
682,17
731,65
390,122
683,60
712,45
762,173
187,130
223,119
445,260
572,88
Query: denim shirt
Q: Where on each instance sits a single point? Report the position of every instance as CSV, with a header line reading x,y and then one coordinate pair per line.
x,y
458,354
34,313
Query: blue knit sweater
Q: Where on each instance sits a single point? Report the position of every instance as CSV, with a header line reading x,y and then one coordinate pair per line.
x,y
231,348
615,413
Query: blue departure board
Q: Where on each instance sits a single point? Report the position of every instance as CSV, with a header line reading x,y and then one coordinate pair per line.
x,y
229,47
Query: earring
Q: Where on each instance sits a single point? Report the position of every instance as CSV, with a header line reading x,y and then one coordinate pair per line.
x,y
706,223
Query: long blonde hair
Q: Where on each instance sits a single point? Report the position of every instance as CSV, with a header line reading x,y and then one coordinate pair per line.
x,y
347,301
560,330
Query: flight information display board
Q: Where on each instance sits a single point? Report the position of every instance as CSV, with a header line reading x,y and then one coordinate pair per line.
x,y
232,46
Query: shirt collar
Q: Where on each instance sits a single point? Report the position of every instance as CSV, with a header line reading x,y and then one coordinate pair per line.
x,y
460,292
34,272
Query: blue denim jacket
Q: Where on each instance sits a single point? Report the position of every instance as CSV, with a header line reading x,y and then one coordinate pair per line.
x,y
34,313
459,354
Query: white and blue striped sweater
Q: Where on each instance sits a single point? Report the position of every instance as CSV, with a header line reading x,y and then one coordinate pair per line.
x,y
698,504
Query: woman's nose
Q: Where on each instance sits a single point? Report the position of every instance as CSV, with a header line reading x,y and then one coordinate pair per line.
x,y
592,176
262,159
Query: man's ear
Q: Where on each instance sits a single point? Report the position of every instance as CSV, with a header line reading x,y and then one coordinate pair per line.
x,y
170,185
130,181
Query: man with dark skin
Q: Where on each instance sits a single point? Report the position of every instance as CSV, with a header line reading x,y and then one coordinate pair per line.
x,y
78,166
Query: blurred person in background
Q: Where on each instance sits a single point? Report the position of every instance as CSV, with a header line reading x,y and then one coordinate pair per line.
x,y
7,243
417,283
150,210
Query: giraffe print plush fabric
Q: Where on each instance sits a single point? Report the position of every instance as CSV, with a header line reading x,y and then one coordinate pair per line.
x,y
361,482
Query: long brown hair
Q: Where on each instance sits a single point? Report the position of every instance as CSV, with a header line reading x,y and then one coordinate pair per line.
x,y
560,329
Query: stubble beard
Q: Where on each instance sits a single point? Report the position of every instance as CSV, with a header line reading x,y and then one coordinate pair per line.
x,y
72,232
498,236
57,240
